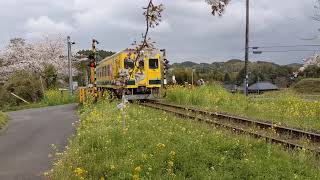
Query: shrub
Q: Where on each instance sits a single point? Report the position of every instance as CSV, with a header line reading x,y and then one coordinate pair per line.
x,y
310,85
25,85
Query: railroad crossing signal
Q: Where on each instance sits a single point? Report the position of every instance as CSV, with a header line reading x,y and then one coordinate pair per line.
x,y
166,64
92,64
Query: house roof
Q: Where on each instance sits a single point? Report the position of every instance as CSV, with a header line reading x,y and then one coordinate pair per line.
x,y
230,86
263,86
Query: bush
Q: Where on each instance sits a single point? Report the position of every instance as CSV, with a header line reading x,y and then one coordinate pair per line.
x,y
310,85
50,76
24,84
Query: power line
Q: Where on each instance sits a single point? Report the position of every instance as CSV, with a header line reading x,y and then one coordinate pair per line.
x,y
298,50
285,46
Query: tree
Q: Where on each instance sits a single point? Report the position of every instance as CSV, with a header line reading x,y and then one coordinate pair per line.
x,y
19,55
23,83
51,76
311,72
227,78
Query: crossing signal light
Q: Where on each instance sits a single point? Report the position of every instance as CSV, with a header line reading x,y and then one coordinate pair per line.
x,y
166,64
92,65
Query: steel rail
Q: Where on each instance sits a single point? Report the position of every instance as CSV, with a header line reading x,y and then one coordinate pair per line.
x,y
272,140
313,137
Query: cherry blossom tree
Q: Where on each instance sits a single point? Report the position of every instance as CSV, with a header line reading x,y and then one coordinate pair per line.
x,y
20,55
218,6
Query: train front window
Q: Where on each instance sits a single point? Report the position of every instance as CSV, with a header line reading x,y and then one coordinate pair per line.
x,y
153,63
128,64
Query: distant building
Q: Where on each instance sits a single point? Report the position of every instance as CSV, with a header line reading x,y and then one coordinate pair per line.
x,y
231,87
262,87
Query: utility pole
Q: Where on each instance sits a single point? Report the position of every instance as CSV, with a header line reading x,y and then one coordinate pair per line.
x,y
246,50
192,76
70,65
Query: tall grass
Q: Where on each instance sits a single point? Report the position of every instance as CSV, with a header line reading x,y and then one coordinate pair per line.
x,y
282,108
3,119
156,145
56,97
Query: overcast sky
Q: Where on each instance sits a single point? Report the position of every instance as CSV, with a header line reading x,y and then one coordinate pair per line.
x,y
188,30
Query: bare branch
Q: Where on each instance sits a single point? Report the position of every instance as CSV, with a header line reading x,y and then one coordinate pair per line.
x,y
218,6
153,17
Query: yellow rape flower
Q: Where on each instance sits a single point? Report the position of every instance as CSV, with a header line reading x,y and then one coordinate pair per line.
x,y
138,169
172,153
161,146
79,172
112,167
135,177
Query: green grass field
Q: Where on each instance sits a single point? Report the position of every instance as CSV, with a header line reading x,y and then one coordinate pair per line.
x,y
3,119
157,145
308,85
280,107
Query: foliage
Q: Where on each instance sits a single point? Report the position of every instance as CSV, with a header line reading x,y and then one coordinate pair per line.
x,y
51,76
3,119
283,108
219,71
156,145
310,85
311,71
24,84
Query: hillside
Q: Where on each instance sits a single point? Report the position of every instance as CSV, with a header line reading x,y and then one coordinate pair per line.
x,y
232,71
309,85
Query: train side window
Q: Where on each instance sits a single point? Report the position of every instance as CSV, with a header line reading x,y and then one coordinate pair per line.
x,y
108,70
141,64
153,63
128,64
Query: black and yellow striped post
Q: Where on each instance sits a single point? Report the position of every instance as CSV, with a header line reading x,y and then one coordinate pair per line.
x,y
93,70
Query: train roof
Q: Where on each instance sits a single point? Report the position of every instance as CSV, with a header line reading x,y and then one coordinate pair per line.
x,y
128,50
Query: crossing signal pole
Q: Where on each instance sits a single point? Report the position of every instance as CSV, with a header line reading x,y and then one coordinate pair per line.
x,y
165,67
246,50
93,65
69,43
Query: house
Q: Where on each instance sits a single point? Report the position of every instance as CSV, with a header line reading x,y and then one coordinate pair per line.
x,y
231,87
262,87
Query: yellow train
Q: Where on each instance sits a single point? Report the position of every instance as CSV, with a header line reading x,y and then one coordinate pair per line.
x,y
143,77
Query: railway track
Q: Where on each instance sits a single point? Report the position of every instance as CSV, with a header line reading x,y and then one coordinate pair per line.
x,y
288,137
